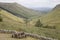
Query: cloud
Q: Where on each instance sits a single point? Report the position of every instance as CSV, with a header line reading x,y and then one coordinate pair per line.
x,y
7,0
35,3
39,3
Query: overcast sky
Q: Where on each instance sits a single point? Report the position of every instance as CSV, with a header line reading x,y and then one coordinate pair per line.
x,y
35,3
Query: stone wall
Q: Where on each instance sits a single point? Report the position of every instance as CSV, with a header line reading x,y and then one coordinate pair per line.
x,y
27,34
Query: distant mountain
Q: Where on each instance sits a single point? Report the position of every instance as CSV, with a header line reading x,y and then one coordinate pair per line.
x,y
43,9
57,7
18,10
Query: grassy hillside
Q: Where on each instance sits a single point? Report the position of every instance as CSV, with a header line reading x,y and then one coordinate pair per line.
x,y
11,16
12,22
18,10
53,19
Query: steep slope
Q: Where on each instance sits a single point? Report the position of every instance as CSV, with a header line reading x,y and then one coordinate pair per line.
x,y
10,21
10,16
53,17
18,10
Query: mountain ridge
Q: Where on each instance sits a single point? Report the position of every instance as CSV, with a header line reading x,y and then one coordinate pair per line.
x,y
18,10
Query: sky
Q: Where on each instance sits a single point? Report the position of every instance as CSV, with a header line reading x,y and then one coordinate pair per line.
x,y
35,3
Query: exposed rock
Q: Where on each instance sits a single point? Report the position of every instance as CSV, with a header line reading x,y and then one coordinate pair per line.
x,y
18,35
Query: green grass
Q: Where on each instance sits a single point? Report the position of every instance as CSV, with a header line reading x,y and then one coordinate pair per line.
x,y
19,10
53,19
11,23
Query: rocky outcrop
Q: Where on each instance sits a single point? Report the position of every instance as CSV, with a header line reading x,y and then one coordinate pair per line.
x,y
39,37
18,35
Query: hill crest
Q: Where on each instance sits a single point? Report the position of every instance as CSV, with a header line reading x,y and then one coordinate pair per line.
x,y
18,10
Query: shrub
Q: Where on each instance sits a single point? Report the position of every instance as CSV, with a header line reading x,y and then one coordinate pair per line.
x,y
38,23
51,27
1,19
45,26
